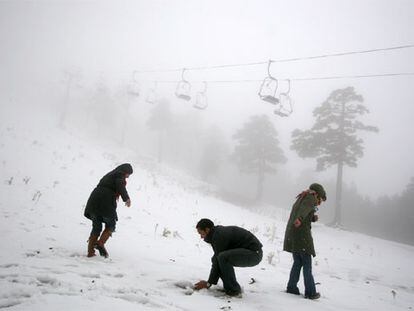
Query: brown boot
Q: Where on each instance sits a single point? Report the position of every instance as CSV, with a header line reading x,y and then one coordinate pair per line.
x,y
91,245
100,245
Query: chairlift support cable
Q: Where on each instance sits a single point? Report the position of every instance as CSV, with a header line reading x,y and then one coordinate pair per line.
x,y
282,60
298,79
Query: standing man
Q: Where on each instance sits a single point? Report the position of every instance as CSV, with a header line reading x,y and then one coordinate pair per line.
x,y
101,207
233,247
298,239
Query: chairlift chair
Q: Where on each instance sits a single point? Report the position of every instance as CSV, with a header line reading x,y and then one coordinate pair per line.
x,y
285,108
201,99
284,111
151,96
133,87
183,88
268,88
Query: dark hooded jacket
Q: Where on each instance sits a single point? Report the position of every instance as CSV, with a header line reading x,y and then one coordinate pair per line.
x,y
102,201
223,238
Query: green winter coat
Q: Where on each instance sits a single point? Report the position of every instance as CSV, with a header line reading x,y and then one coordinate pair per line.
x,y
300,239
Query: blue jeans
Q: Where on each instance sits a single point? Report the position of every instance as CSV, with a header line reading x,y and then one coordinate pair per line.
x,y
110,224
302,260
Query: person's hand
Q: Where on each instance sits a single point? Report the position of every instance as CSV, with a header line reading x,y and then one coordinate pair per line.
x,y
315,218
297,223
201,284
128,203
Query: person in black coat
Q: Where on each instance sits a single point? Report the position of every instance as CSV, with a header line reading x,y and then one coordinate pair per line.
x,y
101,207
233,247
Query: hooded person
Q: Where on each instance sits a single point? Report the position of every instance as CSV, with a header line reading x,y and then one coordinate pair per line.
x,y
101,207
299,241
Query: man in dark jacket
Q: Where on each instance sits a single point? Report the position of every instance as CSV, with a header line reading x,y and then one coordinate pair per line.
x,y
299,241
101,207
233,247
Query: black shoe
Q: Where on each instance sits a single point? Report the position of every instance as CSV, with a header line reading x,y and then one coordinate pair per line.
x,y
293,291
233,293
314,296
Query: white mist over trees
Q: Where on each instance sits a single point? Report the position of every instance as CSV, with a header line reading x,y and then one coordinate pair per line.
x,y
257,150
103,78
214,154
160,120
332,140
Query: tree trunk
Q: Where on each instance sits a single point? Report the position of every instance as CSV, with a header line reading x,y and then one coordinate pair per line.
x,y
65,103
260,181
160,145
125,122
338,199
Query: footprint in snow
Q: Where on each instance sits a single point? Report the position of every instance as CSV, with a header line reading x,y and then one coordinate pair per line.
x,y
116,275
47,280
90,275
12,297
9,265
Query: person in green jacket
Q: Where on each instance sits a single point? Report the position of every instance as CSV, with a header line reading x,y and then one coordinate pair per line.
x,y
298,239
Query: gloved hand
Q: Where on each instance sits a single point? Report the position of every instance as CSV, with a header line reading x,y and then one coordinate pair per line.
x,y
201,284
297,223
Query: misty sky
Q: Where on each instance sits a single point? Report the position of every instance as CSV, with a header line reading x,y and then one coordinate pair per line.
x,y
40,38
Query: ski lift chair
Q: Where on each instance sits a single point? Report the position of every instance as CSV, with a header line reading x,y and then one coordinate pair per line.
x,y
151,96
183,88
201,99
133,87
268,88
285,108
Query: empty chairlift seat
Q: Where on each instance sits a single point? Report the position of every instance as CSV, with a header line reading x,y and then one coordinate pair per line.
x,y
183,88
268,88
152,94
284,109
201,99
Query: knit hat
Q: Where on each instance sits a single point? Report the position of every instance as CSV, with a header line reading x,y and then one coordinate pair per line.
x,y
319,190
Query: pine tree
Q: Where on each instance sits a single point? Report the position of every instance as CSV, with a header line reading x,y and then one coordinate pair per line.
x,y
332,140
214,153
101,112
257,150
71,79
405,213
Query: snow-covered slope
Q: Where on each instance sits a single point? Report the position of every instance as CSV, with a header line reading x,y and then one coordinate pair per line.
x,y
46,178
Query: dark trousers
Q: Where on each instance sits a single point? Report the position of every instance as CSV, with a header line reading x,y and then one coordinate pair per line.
x,y
238,257
110,224
302,260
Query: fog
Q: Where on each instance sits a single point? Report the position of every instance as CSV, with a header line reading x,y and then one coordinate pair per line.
x,y
74,61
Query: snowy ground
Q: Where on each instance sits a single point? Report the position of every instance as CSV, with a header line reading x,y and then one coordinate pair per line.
x,y
46,180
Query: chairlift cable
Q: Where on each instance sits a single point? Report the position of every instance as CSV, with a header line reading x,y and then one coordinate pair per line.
x,y
280,60
298,79
356,76
344,53
202,68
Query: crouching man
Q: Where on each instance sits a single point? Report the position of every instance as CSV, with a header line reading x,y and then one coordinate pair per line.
x,y
233,247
